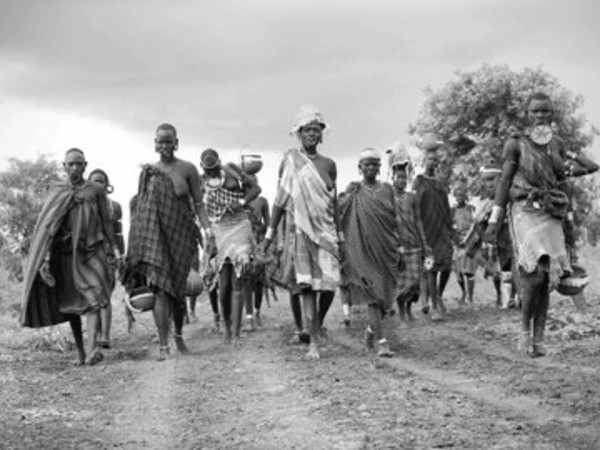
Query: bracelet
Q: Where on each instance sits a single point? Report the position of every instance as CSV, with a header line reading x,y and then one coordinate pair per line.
x,y
270,232
209,232
341,236
242,202
570,216
117,252
497,212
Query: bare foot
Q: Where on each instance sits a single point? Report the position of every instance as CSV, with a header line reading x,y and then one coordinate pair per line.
x,y
383,349
181,347
436,316
441,305
236,343
94,358
539,350
524,344
164,353
227,338
313,353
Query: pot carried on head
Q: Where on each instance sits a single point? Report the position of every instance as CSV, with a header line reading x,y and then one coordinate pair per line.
x,y
251,164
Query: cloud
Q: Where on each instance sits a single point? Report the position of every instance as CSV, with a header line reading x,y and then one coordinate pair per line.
x,y
230,72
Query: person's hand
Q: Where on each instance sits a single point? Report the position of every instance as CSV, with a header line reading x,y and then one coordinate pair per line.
x,y
491,233
211,246
235,206
569,230
46,275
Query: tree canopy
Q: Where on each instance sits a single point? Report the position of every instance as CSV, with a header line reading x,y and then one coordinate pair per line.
x,y
475,112
23,188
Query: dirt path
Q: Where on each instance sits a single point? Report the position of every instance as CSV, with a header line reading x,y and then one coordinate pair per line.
x,y
457,384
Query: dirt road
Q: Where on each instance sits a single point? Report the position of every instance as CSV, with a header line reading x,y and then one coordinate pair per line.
x,y
455,384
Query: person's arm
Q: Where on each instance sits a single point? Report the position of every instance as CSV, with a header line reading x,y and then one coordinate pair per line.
x,y
578,164
276,214
107,226
336,213
118,226
251,189
512,153
265,214
197,193
420,230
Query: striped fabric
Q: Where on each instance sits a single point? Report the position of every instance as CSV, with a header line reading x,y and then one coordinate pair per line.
x,y
310,257
303,192
411,269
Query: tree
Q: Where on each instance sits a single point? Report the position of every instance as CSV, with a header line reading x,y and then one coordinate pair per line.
x,y
23,188
475,113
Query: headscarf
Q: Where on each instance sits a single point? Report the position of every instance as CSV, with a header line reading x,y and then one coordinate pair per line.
x,y
369,153
306,115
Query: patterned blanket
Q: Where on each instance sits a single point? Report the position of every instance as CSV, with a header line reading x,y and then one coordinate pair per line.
x,y
162,236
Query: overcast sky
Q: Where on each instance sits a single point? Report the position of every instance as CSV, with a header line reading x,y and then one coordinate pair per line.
x,y
102,75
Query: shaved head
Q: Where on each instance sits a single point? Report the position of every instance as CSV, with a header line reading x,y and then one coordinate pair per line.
x,y
166,127
74,150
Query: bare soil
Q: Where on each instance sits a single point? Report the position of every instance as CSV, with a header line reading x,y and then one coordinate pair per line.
x,y
455,384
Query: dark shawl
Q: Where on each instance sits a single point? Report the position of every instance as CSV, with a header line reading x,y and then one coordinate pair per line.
x,y
369,225
40,302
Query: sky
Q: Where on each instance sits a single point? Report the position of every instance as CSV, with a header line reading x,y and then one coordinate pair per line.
x,y
231,74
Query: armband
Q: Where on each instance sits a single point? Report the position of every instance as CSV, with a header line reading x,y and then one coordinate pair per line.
x,y
570,216
341,237
269,234
117,252
242,202
209,232
497,212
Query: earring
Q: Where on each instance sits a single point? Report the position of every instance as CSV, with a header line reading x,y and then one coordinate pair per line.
x,y
110,189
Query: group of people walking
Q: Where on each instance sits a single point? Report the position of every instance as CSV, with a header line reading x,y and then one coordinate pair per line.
x,y
380,244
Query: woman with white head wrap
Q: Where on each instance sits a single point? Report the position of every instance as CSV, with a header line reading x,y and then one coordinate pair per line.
x,y
307,195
